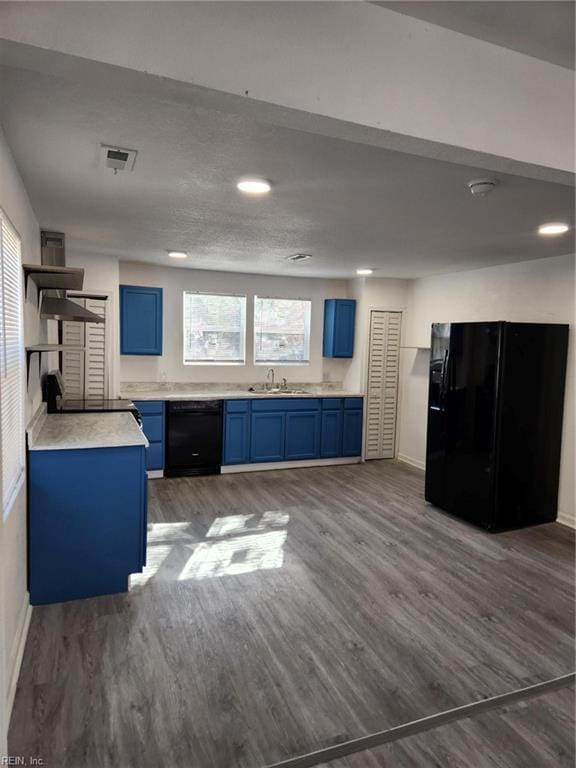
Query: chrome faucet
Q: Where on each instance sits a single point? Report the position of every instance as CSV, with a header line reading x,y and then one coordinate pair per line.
x,y
270,377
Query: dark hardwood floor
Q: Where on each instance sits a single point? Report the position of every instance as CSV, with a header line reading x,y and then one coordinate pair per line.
x,y
285,611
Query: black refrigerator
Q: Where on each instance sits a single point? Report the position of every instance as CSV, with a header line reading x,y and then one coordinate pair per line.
x,y
495,405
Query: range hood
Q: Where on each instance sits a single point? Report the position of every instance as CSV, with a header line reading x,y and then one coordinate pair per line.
x,y
55,308
55,305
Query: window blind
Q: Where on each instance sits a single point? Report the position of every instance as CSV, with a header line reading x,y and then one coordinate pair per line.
x,y
214,328
282,330
11,364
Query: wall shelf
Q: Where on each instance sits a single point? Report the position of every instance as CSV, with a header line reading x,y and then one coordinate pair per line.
x,y
41,348
52,278
415,346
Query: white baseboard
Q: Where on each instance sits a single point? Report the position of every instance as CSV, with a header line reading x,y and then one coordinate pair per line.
x,y
233,468
20,643
154,474
566,520
413,462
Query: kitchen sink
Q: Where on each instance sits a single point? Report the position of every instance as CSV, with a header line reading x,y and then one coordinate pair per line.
x,y
278,391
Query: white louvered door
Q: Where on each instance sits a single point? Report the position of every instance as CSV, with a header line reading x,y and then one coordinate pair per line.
x,y
95,379
382,398
84,373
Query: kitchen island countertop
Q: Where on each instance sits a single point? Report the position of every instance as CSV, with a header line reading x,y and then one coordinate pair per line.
x,y
86,430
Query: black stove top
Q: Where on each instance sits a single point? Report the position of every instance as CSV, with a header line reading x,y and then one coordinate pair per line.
x,y
92,405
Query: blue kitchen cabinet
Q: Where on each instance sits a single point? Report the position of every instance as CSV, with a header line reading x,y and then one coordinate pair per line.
x,y
302,435
152,412
140,320
268,431
331,443
339,321
87,521
236,432
352,420
291,429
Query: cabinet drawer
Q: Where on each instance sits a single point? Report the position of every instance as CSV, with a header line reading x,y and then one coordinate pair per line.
x,y
286,404
353,403
332,403
150,407
153,428
237,406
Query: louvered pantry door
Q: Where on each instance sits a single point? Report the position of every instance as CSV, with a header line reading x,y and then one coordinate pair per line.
x,y
84,373
382,399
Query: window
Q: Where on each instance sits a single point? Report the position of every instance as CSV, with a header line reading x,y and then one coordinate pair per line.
x,y
214,329
12,438
282,331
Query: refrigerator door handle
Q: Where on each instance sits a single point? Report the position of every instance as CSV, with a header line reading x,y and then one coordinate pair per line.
x,y
443,383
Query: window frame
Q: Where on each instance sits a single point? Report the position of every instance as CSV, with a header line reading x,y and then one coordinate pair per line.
x,y
8,495
226,363
307,334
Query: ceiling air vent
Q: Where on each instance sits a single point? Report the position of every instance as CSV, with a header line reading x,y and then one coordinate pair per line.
x,y
117,158
299,257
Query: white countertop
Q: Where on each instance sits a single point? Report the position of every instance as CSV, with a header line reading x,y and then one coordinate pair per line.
x,y
69,431
235,394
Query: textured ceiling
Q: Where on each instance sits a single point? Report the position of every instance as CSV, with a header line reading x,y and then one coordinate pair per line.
x,y
542,29
348,204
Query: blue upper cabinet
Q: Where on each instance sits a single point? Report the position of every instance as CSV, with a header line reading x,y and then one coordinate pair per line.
x,y
140,320
339,317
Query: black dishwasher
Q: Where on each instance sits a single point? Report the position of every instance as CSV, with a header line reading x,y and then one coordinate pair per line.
x,y
193,437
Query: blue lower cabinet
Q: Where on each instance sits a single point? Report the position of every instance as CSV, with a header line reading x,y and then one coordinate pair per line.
x,y
302,435
352,432
291,429
236,438
152,412
268,430
87,522
331,444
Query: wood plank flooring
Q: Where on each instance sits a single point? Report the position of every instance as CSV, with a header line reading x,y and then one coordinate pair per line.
x,y
286,611
535,734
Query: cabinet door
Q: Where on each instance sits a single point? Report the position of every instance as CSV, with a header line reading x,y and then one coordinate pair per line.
x,y
140,320
267,436
237,438
352,433
331,443
152,413
344,328
302,435
339,317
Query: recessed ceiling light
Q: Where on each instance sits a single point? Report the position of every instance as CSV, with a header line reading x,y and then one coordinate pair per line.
x,y
554,228
178,254
254,186
364,271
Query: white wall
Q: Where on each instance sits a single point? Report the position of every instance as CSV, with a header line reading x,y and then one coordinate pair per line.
x,y
537,291
371,293
14,611
169,367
